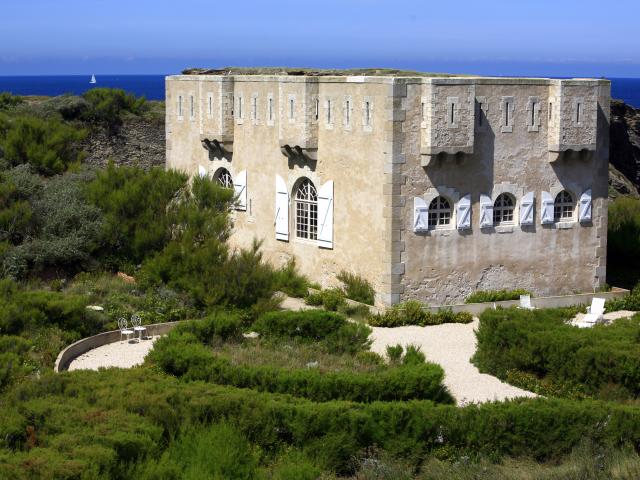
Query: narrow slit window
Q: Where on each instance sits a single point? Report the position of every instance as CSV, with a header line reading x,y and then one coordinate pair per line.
x,y
191,106
480,105
180,105
533,113
270,108
578,112
507,120
233,103
255,108
367,113
422,111
550,110
210,106
239,107
328,111
452,113
317,114
291,107
347,112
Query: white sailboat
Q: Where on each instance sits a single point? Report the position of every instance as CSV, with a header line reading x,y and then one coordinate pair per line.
x,y
93,79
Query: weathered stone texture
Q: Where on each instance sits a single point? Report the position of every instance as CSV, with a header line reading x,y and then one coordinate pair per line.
x,y
378,169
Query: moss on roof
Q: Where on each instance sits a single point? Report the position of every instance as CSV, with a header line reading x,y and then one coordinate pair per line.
x,y
378,72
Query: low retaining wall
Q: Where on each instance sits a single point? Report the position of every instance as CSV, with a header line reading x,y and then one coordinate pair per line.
x,y
537,302
82,346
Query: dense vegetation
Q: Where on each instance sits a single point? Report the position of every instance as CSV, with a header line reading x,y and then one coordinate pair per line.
x,y
603,361
482,296
184,354
623,242
101,423
413,313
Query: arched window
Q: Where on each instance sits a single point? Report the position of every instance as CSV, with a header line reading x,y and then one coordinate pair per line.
x,y
563,207
503,209
439,212
223,177
306,199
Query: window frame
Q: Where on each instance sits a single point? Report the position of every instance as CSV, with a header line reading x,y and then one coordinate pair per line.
x,y
439,213
305,203
223,177
502,211
561,206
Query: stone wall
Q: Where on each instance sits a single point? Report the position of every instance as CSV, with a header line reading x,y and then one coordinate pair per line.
x,y
384,141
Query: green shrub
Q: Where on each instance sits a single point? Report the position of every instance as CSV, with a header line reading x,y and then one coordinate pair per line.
x,y
357,288
288,280
331,299
310,325
180,354
413,356
64,229
78,419
394,353
623,241
106,107
541,343
629,302
413,313
216,451
216,326
483,296
50,146
135,204
314,299
8,101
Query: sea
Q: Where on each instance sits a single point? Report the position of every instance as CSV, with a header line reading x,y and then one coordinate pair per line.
x,y
152,86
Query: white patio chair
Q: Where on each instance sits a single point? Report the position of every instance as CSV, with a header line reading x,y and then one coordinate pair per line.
x,y
595,312
124,330
525,302
136,322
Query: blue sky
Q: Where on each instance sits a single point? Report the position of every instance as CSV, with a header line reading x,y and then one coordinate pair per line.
x,y
517,37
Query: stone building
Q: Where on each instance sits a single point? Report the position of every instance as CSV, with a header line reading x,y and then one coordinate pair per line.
x,y
429,187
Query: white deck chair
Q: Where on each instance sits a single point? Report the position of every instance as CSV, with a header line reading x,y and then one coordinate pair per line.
x,y
136,322
595,313
525,302
124,330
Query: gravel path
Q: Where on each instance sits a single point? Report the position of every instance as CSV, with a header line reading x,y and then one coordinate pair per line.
x,y
118,354
451,346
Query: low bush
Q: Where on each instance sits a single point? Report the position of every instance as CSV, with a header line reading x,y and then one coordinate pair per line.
x,y
216,451
288,280
50,146
357,288
623,241
629,302
332,330
331,299
413,313
217,326
103,421
106,107
180,355
8,101
483,296
541,343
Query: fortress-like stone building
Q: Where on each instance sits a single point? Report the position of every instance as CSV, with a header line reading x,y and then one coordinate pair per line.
x,y
429,187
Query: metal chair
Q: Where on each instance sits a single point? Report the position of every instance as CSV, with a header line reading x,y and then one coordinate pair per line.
x,y
136,321
124,330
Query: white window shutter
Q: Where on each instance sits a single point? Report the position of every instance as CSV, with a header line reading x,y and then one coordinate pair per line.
x,y
546,209
240,187
282,209
527,206
202,172
486,211
585,206
325,215
420,215
464,213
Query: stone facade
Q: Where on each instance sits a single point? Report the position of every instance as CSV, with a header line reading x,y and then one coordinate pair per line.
x,y
408,175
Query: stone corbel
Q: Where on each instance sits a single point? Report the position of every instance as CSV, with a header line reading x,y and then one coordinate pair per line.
x,y
216,148
297,154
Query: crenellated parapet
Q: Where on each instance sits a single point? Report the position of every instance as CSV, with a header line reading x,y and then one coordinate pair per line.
x,y
447,118
299,109
573,117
